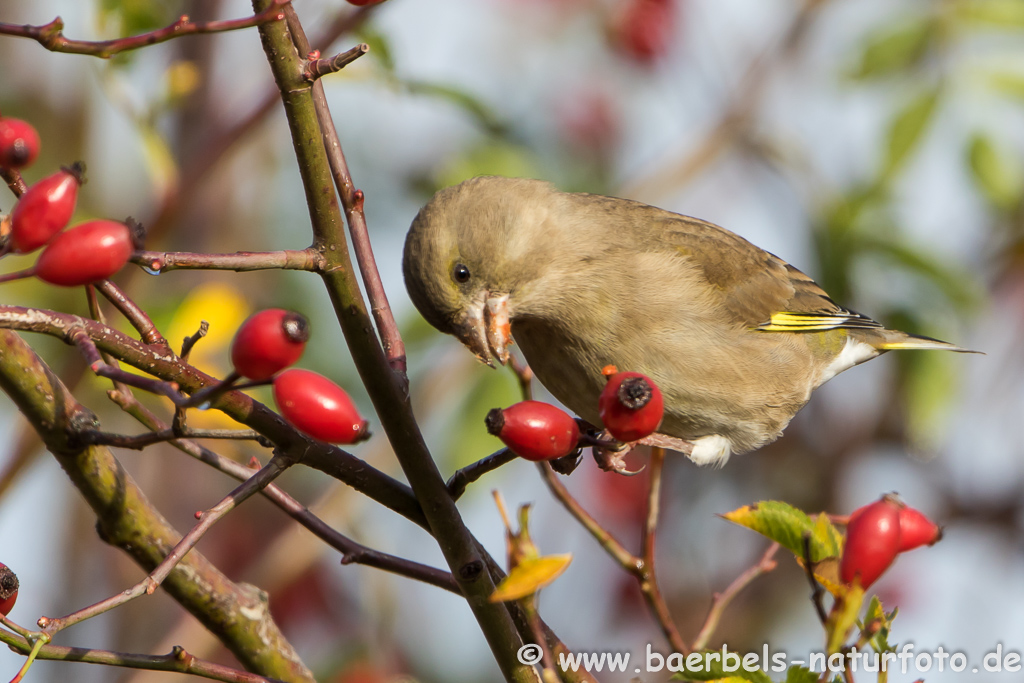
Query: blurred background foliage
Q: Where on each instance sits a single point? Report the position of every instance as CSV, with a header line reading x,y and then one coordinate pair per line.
x,y
875,144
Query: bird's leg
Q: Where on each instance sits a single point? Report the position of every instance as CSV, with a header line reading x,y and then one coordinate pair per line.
x,y
610,455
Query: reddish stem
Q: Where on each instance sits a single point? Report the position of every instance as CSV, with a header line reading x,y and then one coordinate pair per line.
x,y
352,201
51,37
131,310
240,261
14,181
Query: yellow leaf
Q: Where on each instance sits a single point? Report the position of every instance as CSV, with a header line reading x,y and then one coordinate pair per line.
x,y
843,616
225,308
221,305
529,576
183,77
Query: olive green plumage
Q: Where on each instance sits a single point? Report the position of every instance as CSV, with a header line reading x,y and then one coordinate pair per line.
x,y
735,337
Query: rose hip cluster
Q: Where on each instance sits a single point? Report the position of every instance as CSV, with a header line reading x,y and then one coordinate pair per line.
x,y
631,407
877,533
88,252
270,341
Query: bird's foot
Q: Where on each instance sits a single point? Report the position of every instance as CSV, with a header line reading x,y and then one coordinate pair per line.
x,y
610,455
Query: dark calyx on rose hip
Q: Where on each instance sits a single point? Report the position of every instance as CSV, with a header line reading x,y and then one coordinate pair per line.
x,y
19,143
534,430
268,342
630,406
8,589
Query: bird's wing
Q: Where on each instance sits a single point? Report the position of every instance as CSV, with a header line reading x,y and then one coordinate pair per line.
x,y
758,289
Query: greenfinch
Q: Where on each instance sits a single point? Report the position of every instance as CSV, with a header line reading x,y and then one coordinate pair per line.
x,y
735,337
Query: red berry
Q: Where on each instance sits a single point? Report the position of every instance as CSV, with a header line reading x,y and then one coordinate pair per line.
x,y
535,430
86,253
872,541
8,589
44,209
917,530
268,342
631,406
319,407
644,29
19,143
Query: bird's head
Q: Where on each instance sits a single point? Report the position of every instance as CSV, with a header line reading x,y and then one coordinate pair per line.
x,y
468,252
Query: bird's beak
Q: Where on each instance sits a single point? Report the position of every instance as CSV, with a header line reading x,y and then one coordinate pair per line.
x,y
485,329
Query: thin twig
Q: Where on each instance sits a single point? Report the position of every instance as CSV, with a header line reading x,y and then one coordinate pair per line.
x,y
188,343
147,586
721,600
177,660
648,577
51,37
352,551
14,180
318,68
524,375
352,201
817,592
132,312
140,441
78,336
626,559
240,261
467,475
331,460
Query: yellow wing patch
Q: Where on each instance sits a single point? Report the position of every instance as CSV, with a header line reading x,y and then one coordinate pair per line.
x,y
816,322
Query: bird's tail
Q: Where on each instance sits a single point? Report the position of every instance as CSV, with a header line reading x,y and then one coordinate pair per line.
x,y
894,340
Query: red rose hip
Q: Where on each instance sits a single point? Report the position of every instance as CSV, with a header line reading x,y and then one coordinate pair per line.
x,y
8,589
872,541
86,253
19,143
317,406
268,342
917,530
534,430
643,30
45,209
631,406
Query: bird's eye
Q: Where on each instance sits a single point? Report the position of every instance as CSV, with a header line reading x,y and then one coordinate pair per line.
x,y
460,273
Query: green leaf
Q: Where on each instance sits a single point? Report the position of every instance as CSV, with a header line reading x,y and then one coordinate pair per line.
x,y
139,16
488,389
494,157
826,536
1000,180
787,525
380,46
1008,83
931,382
714,670
894,49
800,674
880,641
479,111
954,284
906,131
843,616
1006,14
